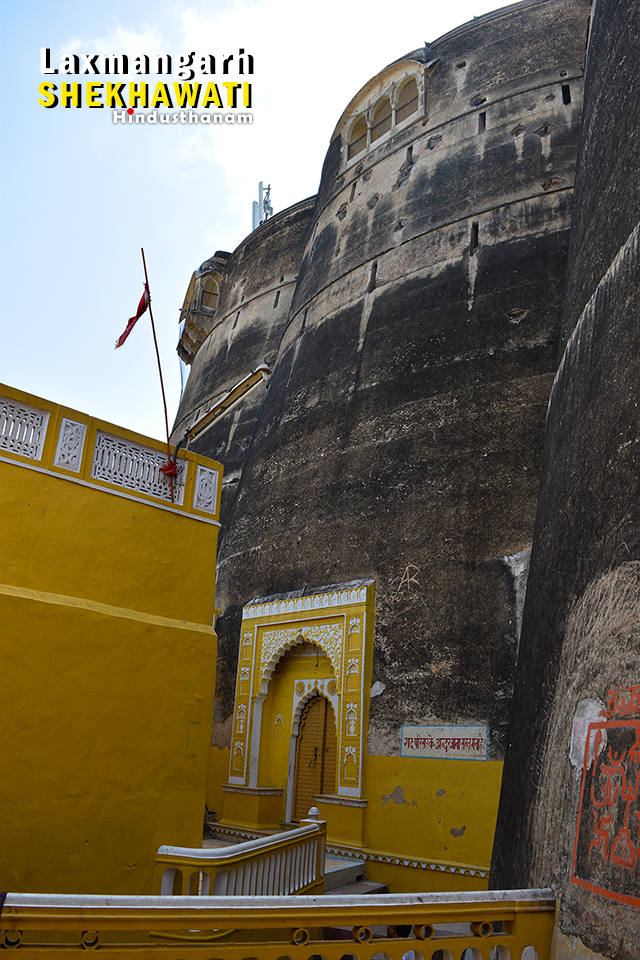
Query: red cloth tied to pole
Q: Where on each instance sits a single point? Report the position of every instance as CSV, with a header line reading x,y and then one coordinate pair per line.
x,y
145,300
170,468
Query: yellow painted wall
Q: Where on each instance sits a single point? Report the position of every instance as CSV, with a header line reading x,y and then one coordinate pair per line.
x,y
84,542
108,667
438,813
437,809
106,721
403,878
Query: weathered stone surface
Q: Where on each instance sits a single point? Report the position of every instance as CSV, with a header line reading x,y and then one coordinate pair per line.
x,y
581,628
251,315
400,437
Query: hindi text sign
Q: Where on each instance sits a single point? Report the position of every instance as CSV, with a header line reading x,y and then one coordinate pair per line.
x,y
448,742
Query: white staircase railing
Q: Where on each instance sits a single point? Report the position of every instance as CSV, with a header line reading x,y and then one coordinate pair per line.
x,y
288,863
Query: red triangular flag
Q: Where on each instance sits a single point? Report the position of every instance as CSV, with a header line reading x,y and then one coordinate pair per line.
x,y
145,300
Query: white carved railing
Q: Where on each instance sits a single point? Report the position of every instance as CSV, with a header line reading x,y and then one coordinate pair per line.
x,y
135,467
22,428
205,496
287,863
69,444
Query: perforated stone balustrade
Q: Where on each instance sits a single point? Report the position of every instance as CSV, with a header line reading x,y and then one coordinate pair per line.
x,y
66,442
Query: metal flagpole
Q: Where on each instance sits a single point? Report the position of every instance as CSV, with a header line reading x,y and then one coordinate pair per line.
x,y
171,468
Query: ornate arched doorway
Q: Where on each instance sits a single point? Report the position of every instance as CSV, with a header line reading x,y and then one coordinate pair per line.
x,y
316,754
297,648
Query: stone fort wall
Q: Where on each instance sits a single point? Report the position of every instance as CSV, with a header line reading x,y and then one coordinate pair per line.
x,y
570,807
413,345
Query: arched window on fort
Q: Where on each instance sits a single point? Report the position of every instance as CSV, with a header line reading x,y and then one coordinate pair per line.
x,y
210,294
407,100
381,119
358,137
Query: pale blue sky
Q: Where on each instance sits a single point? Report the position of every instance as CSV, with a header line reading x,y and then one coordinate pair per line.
x,y
80,196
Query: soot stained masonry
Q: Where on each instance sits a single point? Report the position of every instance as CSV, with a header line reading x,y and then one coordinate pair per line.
x,y
403,424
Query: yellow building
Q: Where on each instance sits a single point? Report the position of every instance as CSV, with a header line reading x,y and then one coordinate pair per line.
x,y
299,739
107,587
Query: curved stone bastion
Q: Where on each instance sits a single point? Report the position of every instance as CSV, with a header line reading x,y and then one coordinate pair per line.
x,y
410,314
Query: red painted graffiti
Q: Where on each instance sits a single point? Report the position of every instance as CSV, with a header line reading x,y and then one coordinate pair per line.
x,y
606,856
625,704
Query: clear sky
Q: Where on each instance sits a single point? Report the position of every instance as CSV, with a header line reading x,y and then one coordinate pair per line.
x,y
80,196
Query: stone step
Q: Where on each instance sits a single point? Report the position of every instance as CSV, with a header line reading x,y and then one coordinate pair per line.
x,y
361,888
342,871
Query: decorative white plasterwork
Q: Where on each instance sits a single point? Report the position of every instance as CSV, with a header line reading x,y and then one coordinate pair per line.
x,y
205,495
225,833
360,854
300,604
241,717
308,687
329,636
351,718
22,428
70,444
128,464
342,801
230,833
254,791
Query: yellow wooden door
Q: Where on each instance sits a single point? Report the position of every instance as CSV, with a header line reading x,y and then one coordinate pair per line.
x,y
316,755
